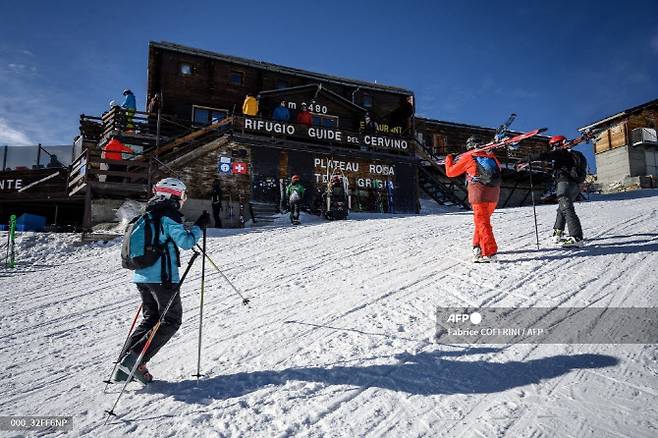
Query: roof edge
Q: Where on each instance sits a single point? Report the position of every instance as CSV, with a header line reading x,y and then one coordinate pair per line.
x,y
277,67
622,113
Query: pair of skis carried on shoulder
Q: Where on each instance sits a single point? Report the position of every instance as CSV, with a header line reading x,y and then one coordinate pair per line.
x,y
501,142
586,137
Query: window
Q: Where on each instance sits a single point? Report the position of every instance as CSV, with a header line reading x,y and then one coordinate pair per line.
x,y
324,121
185,70
202,115
439,143
367,101
280,83
236,78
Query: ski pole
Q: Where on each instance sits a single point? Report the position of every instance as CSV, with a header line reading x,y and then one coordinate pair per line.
x,y
532,197
12,242
203,279
154,330
245,301
8,246
123,349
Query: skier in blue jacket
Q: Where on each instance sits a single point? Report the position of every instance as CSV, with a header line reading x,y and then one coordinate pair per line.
x,y
130,105
159,282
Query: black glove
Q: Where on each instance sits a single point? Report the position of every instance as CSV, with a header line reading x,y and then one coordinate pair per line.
x,y
203,221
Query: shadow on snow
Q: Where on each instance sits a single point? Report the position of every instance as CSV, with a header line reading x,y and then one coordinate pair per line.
x,y
430,373
592,250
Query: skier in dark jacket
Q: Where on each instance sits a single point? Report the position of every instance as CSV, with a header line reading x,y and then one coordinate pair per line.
x,y
160,281
295,193
567,190
216,200
336,199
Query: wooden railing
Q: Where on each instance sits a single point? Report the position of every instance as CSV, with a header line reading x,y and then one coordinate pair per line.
x,y
92,167
121,121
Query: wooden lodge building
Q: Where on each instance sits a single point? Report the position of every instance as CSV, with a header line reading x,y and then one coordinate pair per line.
x,y
626,148
295,122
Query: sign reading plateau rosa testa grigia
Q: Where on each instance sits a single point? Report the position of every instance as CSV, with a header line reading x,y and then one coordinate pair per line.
x,y
317,133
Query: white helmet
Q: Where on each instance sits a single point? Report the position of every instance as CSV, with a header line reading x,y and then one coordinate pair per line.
x,y
169,187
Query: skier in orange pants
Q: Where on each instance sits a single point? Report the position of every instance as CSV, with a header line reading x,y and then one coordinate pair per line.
x,y
483,179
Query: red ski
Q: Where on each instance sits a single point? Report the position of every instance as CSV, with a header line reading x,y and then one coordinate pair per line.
x,y
503,143
584,137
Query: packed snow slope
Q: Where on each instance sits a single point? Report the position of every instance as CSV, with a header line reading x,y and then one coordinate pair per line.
x,y
338,339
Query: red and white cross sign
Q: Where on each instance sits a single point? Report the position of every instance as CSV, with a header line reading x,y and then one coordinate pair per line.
x,y
239,168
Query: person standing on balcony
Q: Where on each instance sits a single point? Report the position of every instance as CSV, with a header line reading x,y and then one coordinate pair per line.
x,y
153,109
483,178
281,113
304,116
250,105
113,150
130,106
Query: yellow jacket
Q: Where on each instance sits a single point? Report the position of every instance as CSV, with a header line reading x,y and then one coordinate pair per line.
x,y
250,106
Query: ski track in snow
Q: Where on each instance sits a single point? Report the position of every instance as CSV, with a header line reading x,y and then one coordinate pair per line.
x,y
338,340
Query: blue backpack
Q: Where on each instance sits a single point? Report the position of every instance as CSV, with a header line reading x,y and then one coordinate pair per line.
x,y
488,172
141,243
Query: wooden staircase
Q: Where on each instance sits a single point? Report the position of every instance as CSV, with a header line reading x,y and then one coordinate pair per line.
x,y
433,180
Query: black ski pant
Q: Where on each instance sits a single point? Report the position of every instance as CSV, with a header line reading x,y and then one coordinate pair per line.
x,y
567,192
155,298
294,211
216,209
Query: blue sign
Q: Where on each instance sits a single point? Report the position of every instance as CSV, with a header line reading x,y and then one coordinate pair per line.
x,y
224,165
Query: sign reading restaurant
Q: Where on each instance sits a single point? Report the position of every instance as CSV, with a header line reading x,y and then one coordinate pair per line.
x,y
318,133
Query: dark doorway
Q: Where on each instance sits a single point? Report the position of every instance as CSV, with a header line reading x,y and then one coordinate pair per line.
x,y
265,175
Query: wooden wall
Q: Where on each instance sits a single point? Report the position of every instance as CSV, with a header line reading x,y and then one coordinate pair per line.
x,y
209,85
614,137
618,133
447,138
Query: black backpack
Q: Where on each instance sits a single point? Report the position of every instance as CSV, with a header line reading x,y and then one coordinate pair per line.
x,y
141,242
578,171
488,172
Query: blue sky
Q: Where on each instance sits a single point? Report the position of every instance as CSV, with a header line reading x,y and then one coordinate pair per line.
x,y
557,64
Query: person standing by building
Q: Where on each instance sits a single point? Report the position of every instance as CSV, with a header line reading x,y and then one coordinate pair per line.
x,y
250,105
114,150
570,170
158,283
304,116
295,193
153,109
281,113
483,178
130,106
216,201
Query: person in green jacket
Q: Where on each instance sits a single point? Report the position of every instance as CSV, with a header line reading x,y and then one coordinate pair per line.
x,y
295,193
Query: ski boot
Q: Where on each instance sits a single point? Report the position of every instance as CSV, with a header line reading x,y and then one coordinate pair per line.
x,y
572,242
486,259
125,367
477,254
557,236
